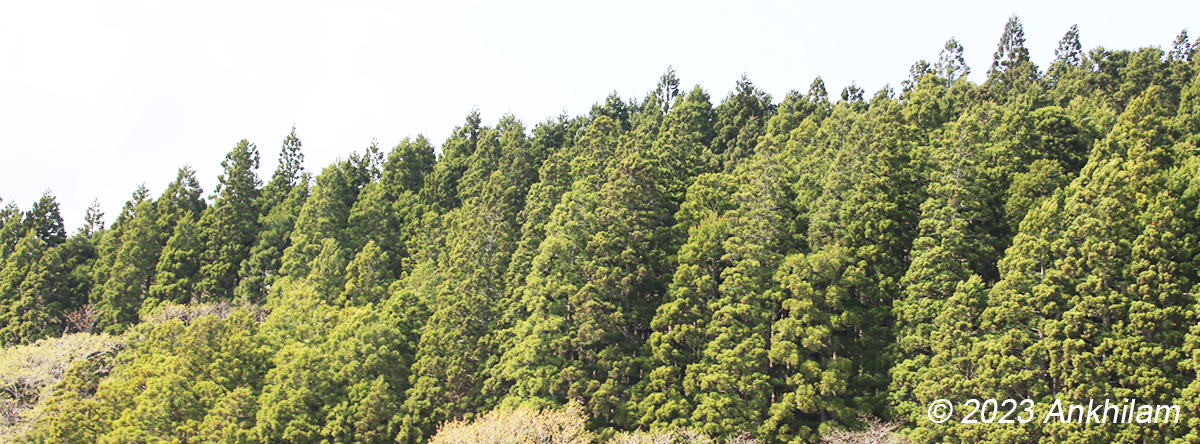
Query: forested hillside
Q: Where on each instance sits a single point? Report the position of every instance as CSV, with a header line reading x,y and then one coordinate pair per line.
x,y
782,266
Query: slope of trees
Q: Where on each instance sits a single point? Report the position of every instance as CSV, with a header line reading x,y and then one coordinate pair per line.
x,y
791,270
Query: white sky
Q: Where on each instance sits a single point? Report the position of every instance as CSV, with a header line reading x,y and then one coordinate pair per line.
x,y
97,97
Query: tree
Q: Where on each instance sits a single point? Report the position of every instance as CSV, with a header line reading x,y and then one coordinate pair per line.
x,y
1011,73
951,64
11,228
343,388
1011,52
328,270
179,264
367,277
441,185
469,306
322,217
740,120
852,93
1181,50
183,196
263,267
21,315
590,293
1069,51
229,226
127,264
288,174
45,219
93,220
733,382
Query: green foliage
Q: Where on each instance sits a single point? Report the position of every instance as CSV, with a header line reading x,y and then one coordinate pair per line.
x,y
323,217
280,204
29,374
229,226
789,270
179,264
44,219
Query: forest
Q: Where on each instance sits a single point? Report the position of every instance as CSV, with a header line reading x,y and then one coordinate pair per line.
x,y
784,270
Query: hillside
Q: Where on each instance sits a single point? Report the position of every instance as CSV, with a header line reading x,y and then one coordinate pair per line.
x,y
784,267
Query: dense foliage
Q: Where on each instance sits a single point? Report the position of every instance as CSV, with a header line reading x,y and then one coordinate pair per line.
x,y
788,269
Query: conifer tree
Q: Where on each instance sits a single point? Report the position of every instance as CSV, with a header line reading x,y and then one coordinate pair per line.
x,y
11,228
322,217
1069,51
57,285
129,268
183,196
19,325
328,270
740,120
344,387
288,174
367,277
679,325
441,185
229,226
279,205
1011,73
462,334
602,320
860,227
947,253
732,383
1181,50
44,218
262,268
93,220
179,264
951,64
682,146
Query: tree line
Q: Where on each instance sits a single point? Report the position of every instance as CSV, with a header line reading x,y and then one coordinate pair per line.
x,y
783,268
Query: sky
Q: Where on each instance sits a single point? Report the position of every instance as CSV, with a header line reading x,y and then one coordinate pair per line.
x,y
99,97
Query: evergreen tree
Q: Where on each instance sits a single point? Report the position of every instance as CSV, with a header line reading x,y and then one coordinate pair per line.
x,y
441,185
22,317
328,270
128,263
951,64
679,324
343,388
280,204
947,253
1181,50
183,196
262,268
740,121
1069,51
592,290
463,332
322,217
1011,73
367,277
179,264
93,220
733,382
288,174
11,228
229,226
44,218
852,94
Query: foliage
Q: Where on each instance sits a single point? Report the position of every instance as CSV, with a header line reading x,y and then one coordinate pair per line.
x,y
662,269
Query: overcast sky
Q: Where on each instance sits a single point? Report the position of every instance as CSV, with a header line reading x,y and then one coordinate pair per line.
x,y
97,97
